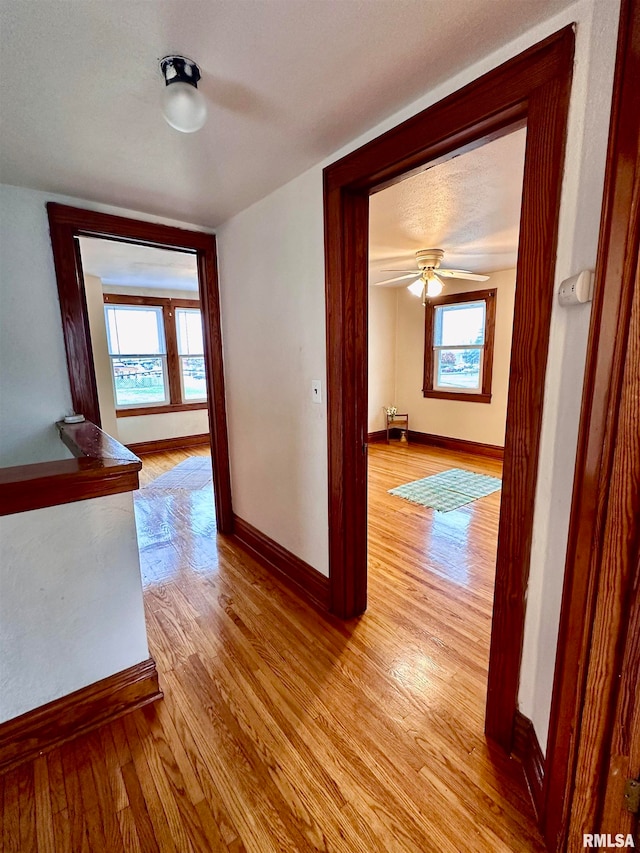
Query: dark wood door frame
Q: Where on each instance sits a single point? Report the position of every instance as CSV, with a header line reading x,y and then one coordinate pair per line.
x,y
532,89
66,224
596,655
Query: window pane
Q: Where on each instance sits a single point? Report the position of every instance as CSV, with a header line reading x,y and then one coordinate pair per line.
x,y
139,381
135,330
193,379
460,324
189,326
458,369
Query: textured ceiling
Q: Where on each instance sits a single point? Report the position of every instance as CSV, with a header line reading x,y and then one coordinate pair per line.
x,y
128,265
287,83
469,206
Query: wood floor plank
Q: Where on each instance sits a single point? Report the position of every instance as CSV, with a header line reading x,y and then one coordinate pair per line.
x,y
90,806
114,770
44,812
153,803
169,785
249,720
75,808
258,820
172,751
203,772
56,781
326,759
284,730
129,831
104,781
62,831
26,795
144,828
120,742
11,813
211,831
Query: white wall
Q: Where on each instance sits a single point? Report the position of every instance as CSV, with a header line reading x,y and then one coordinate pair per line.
x,y
166,293
34,388
34,384
71,607
383,306
165,425
482,422
275,343
273,326
577,246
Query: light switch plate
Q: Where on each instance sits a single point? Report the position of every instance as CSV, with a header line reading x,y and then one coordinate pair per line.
x,y
316,390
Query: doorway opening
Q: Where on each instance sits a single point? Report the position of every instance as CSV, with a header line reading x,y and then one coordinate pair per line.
x,y
179,374
533,90
145,321
438,381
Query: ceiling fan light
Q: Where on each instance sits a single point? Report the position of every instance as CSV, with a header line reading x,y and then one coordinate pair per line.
x,y
434,285
417,287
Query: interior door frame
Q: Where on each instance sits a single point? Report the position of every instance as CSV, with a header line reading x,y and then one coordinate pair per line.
x,y
533,89
66,224
598,659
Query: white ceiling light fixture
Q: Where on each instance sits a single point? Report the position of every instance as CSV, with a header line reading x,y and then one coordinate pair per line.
x,y
417,288
434,284
427,285
183,106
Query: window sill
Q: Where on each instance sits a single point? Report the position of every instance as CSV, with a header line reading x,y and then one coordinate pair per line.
x,y
460,396
159,410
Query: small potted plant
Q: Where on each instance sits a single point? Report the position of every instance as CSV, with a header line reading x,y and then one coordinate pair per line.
x,y
391,411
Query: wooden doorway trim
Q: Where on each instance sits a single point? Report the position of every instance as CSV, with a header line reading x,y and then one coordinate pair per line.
x,y
66,224
532,89
589,754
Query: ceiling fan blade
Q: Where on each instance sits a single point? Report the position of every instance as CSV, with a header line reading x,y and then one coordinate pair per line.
x,y
397,278
461,274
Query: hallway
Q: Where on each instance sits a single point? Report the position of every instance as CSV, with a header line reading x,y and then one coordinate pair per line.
x,y
285,730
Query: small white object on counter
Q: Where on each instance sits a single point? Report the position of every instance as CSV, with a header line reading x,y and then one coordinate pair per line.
x,y
74,419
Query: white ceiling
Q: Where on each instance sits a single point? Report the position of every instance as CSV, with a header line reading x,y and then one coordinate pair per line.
x,y
129,265
287,81
469,206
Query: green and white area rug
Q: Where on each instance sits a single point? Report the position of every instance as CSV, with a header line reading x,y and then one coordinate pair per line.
x,y
449,489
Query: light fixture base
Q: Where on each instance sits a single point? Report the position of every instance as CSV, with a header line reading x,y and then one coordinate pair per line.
x,y
180,69
429,258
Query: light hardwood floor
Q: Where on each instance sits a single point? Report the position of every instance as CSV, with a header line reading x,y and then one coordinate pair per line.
x,y
285,730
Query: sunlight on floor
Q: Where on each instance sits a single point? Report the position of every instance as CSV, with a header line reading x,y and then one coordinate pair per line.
x,y
176,529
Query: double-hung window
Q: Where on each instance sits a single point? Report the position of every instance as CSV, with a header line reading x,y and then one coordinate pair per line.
x,y
157,354
191,354
458,359
138,353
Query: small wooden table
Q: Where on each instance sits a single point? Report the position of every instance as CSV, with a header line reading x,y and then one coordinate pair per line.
x,y
398,421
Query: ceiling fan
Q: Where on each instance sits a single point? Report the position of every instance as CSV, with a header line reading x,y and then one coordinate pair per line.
x,y
427,282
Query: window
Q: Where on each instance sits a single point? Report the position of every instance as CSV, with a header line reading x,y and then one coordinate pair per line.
x,y
138,353
458,358
157,354
191,354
